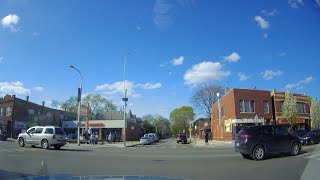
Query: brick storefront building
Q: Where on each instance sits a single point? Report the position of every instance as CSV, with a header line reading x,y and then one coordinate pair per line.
x,y
201,126
17,114
248,107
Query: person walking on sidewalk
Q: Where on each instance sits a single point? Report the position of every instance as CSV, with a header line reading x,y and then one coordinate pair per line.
x,y
91,139
110,138
206,138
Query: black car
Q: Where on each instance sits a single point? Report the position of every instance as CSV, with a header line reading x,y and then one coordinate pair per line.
x,y
300,132
259,142
312,137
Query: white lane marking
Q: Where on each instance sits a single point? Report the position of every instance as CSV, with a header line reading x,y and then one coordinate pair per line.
x,y
6,150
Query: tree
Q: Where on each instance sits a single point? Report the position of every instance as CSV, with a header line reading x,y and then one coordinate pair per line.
x,y
181,118
204,97
315,113
290,108
70,105
55,104
98,104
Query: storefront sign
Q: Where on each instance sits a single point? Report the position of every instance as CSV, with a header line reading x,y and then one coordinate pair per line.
x,y
298,121
283,121
94,125
228,124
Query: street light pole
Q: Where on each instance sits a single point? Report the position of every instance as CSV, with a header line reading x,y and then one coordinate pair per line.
x,y
125,99
79,102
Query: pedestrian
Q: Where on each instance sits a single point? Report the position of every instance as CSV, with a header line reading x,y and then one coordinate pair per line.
x,y
110,137
91,139
206,137
114,138
107,137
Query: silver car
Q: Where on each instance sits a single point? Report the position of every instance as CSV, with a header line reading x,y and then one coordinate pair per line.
x,y
44,136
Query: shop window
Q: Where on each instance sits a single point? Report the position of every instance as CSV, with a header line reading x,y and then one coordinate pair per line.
x,y
265,107
1,111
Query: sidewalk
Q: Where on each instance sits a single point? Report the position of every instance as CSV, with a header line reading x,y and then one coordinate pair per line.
x,y
104,145
201,142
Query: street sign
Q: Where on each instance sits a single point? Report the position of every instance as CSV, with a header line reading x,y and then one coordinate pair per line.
x,y
84,111
190,129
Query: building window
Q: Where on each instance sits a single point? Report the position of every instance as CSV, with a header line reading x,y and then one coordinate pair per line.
x,y
61,117
48,115
246,106
265,107
281,105
31,112
223,112
1,111
251,106
8,111
301,107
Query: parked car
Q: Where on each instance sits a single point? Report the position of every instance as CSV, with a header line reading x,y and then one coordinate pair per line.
x,y
182,138
300,132
312,137
44,136
259,142
3,135
152,137
145,140
155,136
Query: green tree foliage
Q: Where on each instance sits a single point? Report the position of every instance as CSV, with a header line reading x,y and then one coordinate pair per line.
x,y
153,123
290,108
98,104
180,118
315,113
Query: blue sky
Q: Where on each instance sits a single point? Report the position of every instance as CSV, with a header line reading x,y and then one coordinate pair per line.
x,y
174,46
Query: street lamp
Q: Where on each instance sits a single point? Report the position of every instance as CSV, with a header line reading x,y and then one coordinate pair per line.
x,y
79,102
125,99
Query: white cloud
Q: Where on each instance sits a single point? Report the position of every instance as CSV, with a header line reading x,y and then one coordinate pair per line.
x,y
299,84
318,2
204,72
138,28
10,22
116,88
242,76
295,3
35,34
270,13
262,22
233,57
177,61
38,88
162,10
282,54
150,85
13,88
269,74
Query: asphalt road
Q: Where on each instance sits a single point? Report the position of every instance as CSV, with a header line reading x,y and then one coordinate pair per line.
x,y
166,159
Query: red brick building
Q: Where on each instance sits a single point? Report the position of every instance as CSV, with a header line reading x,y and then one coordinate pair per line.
x,y
248,107
17,114
303,117
240,107
200,126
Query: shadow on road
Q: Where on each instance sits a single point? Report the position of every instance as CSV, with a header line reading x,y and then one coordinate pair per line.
x,y
12,175
62,149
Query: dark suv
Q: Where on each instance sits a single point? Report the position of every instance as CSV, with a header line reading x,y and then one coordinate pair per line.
x,y
312,137
182,138
260,141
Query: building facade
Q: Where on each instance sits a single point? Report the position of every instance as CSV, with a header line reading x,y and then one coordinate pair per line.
x,y
106,123
249,107
200,127
18,114
302,120
240,107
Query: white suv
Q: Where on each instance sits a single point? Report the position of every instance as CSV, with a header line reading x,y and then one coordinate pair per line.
x,y
44,136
